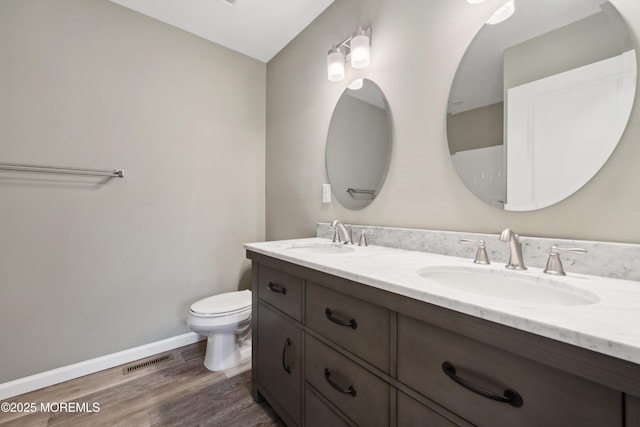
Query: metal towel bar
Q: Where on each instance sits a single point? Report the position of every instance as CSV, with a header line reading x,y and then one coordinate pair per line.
x,y
355,191
19,167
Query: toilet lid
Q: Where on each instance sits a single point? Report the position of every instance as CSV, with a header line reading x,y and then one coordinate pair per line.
x,y
223,303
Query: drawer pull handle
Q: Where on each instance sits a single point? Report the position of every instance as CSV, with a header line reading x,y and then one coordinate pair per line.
x,y
277,288
351,323
327,376
286,367
509,396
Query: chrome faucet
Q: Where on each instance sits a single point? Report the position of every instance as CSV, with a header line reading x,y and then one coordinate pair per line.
x,y
338,227
515,249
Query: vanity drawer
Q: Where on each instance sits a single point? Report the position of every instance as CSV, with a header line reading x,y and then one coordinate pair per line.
x,y
414,414
317,413
281,290
549,396
358,326
359,394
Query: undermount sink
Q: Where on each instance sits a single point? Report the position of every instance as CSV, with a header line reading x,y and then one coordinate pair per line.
x,y
319,248
510,285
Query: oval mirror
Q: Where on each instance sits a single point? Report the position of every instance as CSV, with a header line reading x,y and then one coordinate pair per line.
x,y
540,101
359,145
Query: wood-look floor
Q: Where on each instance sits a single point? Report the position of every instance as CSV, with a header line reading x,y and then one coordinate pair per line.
x,y
178,392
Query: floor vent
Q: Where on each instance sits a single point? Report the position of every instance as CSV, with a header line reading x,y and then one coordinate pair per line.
x,y
146,363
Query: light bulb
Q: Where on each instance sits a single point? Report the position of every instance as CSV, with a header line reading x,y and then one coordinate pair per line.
x,y
335,65
359,50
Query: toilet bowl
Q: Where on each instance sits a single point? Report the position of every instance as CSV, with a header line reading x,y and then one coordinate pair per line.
x,y
225,319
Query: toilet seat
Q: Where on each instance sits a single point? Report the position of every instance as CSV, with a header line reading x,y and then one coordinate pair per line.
x,y
236,315
225,304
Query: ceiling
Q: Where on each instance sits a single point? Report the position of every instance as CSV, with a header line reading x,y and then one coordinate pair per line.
x,y
256,28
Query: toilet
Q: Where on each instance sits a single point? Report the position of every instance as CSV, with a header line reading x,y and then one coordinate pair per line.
x,y
225,319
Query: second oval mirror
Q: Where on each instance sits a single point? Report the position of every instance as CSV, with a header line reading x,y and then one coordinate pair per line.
x,y
359,145
540,101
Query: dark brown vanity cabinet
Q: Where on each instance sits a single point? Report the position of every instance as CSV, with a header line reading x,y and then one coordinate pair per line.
x,y
331,351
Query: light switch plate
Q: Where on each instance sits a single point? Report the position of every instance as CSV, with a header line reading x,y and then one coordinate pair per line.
x,y
326,193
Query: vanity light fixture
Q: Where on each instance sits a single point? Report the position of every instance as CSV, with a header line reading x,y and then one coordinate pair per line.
x,y
503,13
355,49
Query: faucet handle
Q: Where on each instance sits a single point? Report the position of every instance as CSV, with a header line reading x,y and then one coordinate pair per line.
x,y
363,237
554,265
481,253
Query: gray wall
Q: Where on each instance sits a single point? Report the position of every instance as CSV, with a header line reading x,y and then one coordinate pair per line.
x,y
87,269
478,128
416,49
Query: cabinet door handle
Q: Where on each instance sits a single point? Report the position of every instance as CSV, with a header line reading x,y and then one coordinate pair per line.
x,y
286,367
350,390
509,396
273,287
351,323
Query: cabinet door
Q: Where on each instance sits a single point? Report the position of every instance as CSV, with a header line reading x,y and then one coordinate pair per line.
x,y
280,360
479,376
632,406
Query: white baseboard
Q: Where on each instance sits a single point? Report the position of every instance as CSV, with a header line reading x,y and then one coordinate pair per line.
x,y
66,373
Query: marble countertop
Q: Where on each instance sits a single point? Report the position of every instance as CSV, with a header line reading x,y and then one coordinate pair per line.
x,y
608,326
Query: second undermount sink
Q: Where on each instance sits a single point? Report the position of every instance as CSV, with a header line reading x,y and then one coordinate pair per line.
x,y
319,248
510,285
